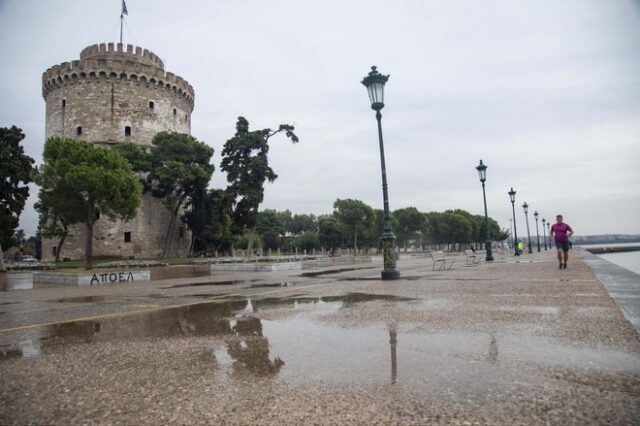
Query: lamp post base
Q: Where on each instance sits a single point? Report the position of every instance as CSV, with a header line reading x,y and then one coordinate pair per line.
x,y
489,257
390,275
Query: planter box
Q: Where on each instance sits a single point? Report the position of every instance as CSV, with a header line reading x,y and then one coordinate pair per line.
x,y
16,280
91,279
255,267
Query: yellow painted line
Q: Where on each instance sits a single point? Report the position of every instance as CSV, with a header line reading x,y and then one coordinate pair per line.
x,y
150,309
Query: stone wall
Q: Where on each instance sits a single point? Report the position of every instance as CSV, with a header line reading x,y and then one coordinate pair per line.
x,y
118,94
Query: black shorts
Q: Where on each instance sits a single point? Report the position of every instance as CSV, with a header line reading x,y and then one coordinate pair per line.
x,y
562,245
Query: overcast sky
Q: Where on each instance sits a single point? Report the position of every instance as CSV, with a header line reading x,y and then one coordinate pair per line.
x,y
545,92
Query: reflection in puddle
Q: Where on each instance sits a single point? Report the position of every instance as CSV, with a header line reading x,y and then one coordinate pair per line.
x,y
309,345
229,282
334,271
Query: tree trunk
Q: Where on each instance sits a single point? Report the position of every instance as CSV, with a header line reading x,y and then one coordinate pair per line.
x,y
172,224
88,251
252,236
59,247
355,240
2,267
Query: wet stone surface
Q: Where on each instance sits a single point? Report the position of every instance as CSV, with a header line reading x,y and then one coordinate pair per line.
x,y
498,344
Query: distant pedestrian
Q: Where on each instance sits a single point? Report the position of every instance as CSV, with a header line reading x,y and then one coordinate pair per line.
x,y
520,246
561,232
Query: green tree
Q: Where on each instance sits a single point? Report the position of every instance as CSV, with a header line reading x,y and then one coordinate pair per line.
x,y
330,233
354,215
410,222
16,169
307,241
270,229
79,178
179,171
304,223
245,161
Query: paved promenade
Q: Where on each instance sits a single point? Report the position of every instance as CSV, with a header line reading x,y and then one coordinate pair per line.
x,y
513,342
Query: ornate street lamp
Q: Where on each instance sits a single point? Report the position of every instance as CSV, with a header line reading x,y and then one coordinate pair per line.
x,y
525,206
482,173
549,233
535,214
374,83
544,237
512,196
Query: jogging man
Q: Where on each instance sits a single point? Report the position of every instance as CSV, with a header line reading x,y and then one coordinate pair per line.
x,y
561,232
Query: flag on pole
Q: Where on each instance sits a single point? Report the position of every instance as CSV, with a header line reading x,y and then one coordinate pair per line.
x,y
124,8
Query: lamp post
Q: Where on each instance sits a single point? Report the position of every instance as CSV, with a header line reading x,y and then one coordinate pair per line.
x,y
535,215
525,207
374,82
544,237
512,196
482,173
511,229
549,233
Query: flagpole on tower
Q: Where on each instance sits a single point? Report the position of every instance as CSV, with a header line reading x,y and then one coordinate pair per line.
x,y
122,13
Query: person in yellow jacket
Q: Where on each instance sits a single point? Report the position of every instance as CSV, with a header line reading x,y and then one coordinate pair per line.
x,y
520,246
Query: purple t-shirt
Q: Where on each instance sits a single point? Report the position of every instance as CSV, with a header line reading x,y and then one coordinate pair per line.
x,y
560,231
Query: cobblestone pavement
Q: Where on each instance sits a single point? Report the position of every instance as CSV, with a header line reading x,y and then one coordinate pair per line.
x,y
516,341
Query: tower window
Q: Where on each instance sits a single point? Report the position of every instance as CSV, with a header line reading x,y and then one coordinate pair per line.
x,y
151,105
127,131
127,237
78,130
64,103
175,111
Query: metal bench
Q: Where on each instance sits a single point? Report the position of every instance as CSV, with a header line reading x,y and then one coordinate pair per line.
x,y
441,261
473,259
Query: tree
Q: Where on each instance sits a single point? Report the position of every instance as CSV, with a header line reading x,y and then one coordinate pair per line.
x,y
307,241
329,234
270,229
179,171
246,162
304,223
78,178
16,169
354,214
410,222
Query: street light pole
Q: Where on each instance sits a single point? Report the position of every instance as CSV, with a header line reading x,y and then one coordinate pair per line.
x,y
544,237
512,196
549,234
525,206
535,215
482,172
374,82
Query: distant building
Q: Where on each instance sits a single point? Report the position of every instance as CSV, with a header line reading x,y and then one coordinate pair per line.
x,y
118,94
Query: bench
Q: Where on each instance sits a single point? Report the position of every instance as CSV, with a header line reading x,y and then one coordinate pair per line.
x,y
472,258
440,260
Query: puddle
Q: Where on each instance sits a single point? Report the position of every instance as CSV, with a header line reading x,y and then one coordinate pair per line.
x,y
229,282
275,285
334,271
304,347
83,299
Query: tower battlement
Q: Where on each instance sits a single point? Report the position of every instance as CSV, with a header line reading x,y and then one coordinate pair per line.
x,y
115,61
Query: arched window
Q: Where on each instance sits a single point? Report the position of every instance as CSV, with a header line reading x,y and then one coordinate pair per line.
x,y
127,130
78,130
151,105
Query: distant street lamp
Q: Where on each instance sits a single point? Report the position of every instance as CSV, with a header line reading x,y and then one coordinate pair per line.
x,y
512,196
525,206
535,214
544,237
482,173
549,233
374,82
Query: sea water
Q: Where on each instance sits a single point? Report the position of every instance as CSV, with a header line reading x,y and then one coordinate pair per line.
x,y
629,260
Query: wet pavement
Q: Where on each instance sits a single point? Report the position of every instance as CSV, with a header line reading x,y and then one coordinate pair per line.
x,y
513,342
